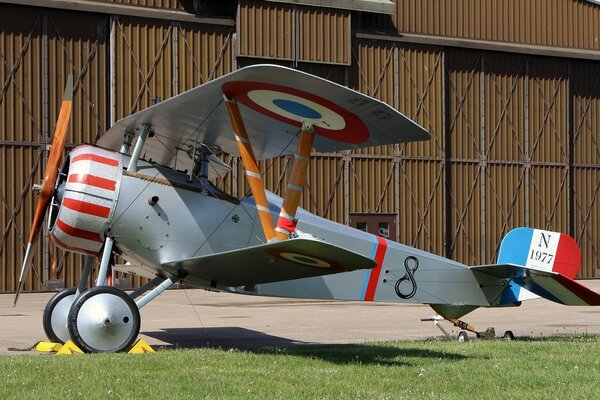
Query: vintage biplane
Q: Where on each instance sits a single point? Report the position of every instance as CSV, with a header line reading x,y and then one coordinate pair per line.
x,y
143,192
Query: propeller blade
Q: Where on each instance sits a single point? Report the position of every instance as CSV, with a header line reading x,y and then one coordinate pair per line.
x,y
54,159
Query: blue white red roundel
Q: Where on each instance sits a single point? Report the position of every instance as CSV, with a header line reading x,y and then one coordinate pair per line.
x,y
294,106
307,260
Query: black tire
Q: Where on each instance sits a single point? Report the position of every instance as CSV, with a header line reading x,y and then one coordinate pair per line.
x,y
463,337
64,300
87,330
508,335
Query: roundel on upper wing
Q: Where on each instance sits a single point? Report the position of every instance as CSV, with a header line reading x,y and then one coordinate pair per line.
x,y
295,106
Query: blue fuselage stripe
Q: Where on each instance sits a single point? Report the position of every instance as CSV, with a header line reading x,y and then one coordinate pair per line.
x,y
366,282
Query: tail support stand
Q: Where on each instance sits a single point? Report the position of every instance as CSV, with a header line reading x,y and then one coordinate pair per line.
x,y
489,333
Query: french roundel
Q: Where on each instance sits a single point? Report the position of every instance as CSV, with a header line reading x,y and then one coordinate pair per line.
x,y
295,106
306,260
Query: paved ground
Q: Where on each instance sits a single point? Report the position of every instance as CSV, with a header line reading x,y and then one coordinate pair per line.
x,y
197,318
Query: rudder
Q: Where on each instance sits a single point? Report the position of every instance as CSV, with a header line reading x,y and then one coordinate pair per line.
x,y
540,250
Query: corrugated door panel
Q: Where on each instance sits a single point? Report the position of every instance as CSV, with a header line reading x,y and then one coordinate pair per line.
x,y
372,188
586,113
18,206
334,73
265,29
324,35
505,205
421,96
564,23
274,172
20,72
504,106
421,205
586,184
21,130
143,64
372,73
81,50
204,53
548,198
548,110
324,190
464,81
465,214
164,4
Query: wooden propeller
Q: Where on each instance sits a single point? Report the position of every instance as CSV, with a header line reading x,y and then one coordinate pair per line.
x,y
50,175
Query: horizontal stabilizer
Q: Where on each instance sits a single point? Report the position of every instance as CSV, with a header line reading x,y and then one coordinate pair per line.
x,y
272,262
547,284
559,288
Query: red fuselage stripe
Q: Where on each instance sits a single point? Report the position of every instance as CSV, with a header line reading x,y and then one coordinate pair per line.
x,y
93,180
94,157
78,233
375,272
86,208
77,249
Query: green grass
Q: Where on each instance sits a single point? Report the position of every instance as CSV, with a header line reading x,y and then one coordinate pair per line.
x,y
554,368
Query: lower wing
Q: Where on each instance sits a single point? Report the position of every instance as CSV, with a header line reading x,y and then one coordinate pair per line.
x,y
271,262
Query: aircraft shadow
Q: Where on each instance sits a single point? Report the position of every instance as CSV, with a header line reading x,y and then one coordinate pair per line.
x,y
217,338
367,353
261,343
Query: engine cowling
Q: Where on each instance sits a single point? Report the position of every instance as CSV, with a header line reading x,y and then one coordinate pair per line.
x,y
85,199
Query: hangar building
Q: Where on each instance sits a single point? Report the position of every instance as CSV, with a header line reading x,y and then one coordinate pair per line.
x,y
508,89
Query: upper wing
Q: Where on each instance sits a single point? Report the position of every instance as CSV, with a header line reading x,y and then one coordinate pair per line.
x,y
272,262
274,101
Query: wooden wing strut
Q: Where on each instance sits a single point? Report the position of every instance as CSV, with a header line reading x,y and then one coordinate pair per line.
x,y
286,225
251,167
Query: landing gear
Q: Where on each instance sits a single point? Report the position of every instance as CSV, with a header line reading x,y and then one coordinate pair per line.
x,y
55,315
104,319
462,336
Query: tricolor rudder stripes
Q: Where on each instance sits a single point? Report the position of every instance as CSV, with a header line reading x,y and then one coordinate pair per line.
x,y
539,250
87,199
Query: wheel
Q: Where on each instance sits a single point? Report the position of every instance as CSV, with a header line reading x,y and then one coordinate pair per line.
x,y
104,320
462,336
55,315
508,335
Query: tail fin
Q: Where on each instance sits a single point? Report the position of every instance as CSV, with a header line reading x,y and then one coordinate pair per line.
x,y
541,250
546,264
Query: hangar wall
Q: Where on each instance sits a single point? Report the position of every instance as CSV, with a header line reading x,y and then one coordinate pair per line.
x,y
513,128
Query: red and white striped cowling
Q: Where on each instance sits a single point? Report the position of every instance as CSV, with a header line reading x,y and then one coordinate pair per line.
x,y
89,199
